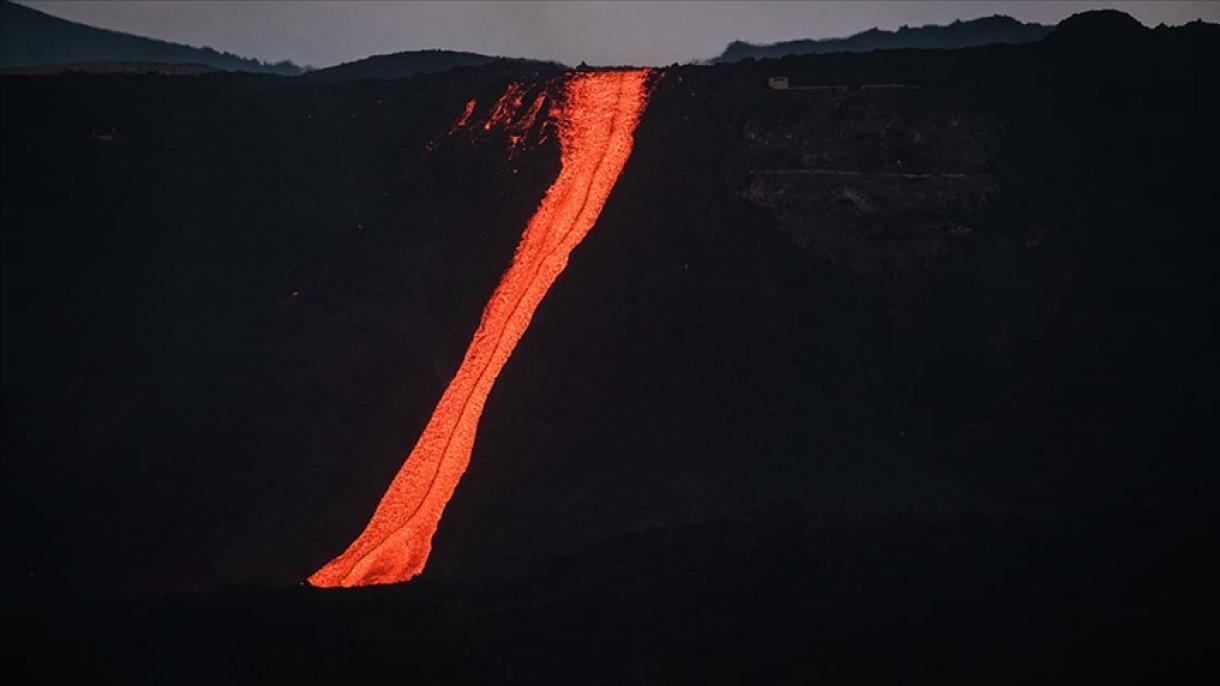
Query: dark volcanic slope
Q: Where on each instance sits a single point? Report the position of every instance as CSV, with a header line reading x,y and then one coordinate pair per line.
x,y
864,382
29,37
224,287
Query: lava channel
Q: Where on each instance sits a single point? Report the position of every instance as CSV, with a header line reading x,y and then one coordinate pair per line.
x,y
596,123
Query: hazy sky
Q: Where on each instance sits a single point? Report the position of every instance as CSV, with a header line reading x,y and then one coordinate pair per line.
x,y
644,33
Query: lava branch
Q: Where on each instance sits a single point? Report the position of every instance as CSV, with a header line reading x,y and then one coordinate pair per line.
x,y
596,123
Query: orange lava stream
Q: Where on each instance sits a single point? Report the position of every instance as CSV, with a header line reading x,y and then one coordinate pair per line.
x,y
596,123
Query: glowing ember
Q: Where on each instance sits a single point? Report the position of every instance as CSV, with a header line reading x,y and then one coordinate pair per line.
x,y
521,127
465,116
508,105
596,123
527,122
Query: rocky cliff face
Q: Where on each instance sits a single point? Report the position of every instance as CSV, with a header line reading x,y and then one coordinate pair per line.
x,y
880,182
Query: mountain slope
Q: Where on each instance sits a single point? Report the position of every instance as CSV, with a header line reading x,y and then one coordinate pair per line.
x,y
125,67
29,37
400,65
959,34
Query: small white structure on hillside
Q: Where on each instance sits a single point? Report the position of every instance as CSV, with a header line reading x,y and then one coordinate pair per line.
x,y
779,83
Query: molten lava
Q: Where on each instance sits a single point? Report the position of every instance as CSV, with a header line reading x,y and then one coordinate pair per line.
x,y
596,122
506,107
465,116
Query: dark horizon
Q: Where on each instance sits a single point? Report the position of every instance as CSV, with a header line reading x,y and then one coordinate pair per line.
x,y
322,34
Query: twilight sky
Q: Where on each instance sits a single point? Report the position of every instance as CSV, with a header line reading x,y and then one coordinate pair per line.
x,y
643,33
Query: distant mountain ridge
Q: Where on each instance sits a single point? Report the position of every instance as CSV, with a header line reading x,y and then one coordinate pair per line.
x,y
125,67
29,37
959,34
400,65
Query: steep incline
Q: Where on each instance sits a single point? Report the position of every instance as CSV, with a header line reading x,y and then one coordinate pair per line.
x,y
596,122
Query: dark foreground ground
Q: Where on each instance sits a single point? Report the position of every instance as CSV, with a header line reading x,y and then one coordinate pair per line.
x,y
763,599
857,384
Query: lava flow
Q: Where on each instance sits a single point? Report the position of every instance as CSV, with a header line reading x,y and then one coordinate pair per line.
x,y
596,121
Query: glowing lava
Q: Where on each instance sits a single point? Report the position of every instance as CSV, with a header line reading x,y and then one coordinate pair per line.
x,y
465,116
596,122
